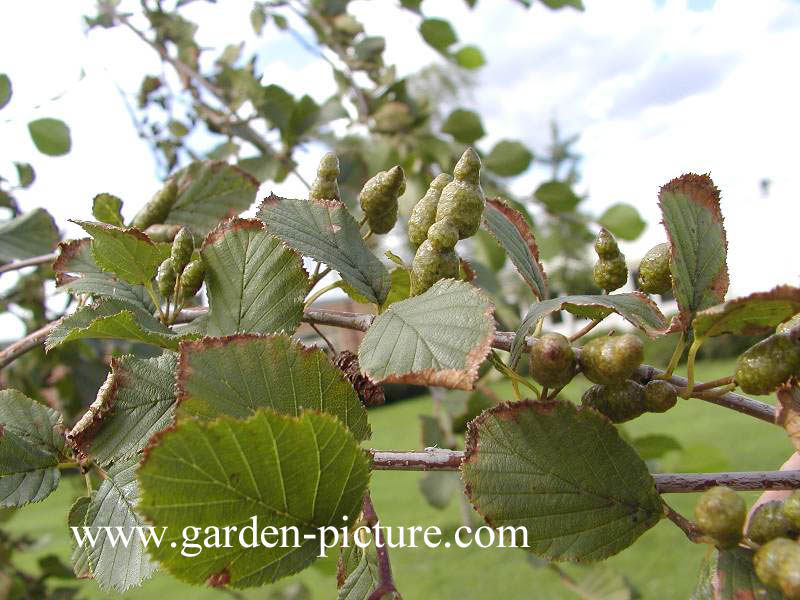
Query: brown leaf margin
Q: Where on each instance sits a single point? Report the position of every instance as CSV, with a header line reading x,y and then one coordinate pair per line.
x,y
787,293
137,233
82,434
67,251
700,189
454,379
521,225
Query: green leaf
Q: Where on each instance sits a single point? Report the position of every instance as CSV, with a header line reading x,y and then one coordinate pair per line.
x,y
112,319
125,252
255,284
304,115
470,57
118,566
258,17
401,287
5,90
636,308
325,231
432,434
514,235
263,168
370,48
692,218
438,33
730,576
50,136
107,208
25,174
30,443
437,338
237,375
556,4
357,569
755,314
582,501
557,196
655,445
439,487
509,158
463,406
464,125
80,554
229,471
277,105
136,401
26,236
77,272
623,221
208,192
601,582
177,129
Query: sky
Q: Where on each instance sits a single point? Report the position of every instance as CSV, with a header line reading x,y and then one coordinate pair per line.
x,y
656,88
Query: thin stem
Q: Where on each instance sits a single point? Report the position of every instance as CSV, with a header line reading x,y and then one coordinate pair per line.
x,y
318,277
714,383
538,330
28,262
713,393
332,286
368,235
87,477
148,286
543,394
362,222
569,581
586,329
689,528
690,359
385,580
29,342
69,465
676,356
322,335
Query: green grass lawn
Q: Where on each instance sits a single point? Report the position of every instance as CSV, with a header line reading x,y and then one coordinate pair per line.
x,y
662,564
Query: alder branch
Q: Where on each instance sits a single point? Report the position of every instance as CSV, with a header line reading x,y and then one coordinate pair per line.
x,y
502,341
689,528
29,262
385,580
440,459
29,342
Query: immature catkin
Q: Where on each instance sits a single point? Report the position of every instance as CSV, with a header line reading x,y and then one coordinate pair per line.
x,y
182,248
157,210
430,265
424,213
378,199
325,186
462,200
165,278
610,272
192,279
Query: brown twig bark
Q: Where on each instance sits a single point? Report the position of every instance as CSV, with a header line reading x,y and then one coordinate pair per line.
x,y
385,580
29,262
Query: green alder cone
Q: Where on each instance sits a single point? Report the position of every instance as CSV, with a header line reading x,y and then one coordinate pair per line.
x,y
325,186
769,522
720,514
619,402
157,210
789,572
610,274
378,199
443,235
424,213
768,559
659,396
165,279
654,274
768,364
791,508
192,279
462,200
162,233
553,361
787,325
182,248
610,360
605,245
430,265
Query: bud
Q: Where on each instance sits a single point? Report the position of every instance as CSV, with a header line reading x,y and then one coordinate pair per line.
x,y
614,359
325,186
378,199
654,274
165,278
182,248
552,360
192,279
424,213
462,200
157,210
720,513
619,402
768,364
